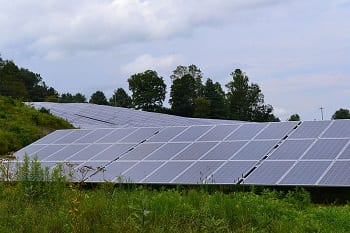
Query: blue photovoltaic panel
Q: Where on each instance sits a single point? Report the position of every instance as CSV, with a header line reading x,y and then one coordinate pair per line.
x,y
167,134
231,172
140,171
326,149
46,151
28,150
291,150
53,136
66,152
224,150
268,173
73,136
305,172
338,174
218,133
141,151
167,151
195,151
276,130
89,152
346,153
140,135
112,172
255,150
94,136
198,173
116,135
113,152
246,131
192,133
168,172
310,129
338,129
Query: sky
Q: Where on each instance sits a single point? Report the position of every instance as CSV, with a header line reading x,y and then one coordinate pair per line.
x,y
298,51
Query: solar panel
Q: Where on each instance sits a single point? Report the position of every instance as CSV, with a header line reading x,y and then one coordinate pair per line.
x,y
255,150
326,149
198,173
114,152
218,133
140,135
310,129
73,136
224,150
167,134
29,150
167,151
305,173
192,133
65,153
231,172
338,129
195,151
116,135
140,171
167,172
338,174
141,151
89,152
246,131
291,150
112,172
269,172
276,130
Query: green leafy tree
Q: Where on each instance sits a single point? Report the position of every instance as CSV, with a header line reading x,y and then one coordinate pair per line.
x,y
192,70
69,98
341,114
294,117
98,98
201,107
10,83
120,99
148,90
246,101
216,99
182,96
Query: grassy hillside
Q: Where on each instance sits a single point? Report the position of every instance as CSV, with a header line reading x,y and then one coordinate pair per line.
x,y
21,125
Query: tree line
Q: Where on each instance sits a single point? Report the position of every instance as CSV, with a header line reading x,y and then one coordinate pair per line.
x,y
189,95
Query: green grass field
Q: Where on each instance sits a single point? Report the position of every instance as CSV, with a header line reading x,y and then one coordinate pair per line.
x,y
42,201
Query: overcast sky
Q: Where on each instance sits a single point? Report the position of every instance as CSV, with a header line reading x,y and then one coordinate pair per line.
x,y
297,51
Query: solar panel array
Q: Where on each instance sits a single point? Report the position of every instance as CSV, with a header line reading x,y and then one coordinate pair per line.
x,y
86,116
316,153
311,153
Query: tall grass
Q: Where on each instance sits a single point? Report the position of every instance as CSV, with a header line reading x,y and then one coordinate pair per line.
x,y
43,201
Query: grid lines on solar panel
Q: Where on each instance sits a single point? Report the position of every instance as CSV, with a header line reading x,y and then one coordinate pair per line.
x,y
310,129
276,130
338,129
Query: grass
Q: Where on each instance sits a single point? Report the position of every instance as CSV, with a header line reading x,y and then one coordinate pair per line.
x,y
42,201
21,125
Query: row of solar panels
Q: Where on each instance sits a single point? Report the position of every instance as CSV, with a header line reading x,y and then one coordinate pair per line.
x,y
85,116
285,153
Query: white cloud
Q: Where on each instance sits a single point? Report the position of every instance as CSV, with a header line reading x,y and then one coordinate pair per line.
x,y
148,62
64,27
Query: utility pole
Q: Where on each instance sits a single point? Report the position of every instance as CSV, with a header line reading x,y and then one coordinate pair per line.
x,y
321,108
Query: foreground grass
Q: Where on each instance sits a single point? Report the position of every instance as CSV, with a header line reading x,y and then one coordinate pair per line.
x,y
21,125
56,207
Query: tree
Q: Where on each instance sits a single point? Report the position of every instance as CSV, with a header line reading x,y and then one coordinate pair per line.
x,y
10,82
216,99
201,107
182,96
192,70
341,114
294,117
148,90
120,99
98,98
69,98
246,101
